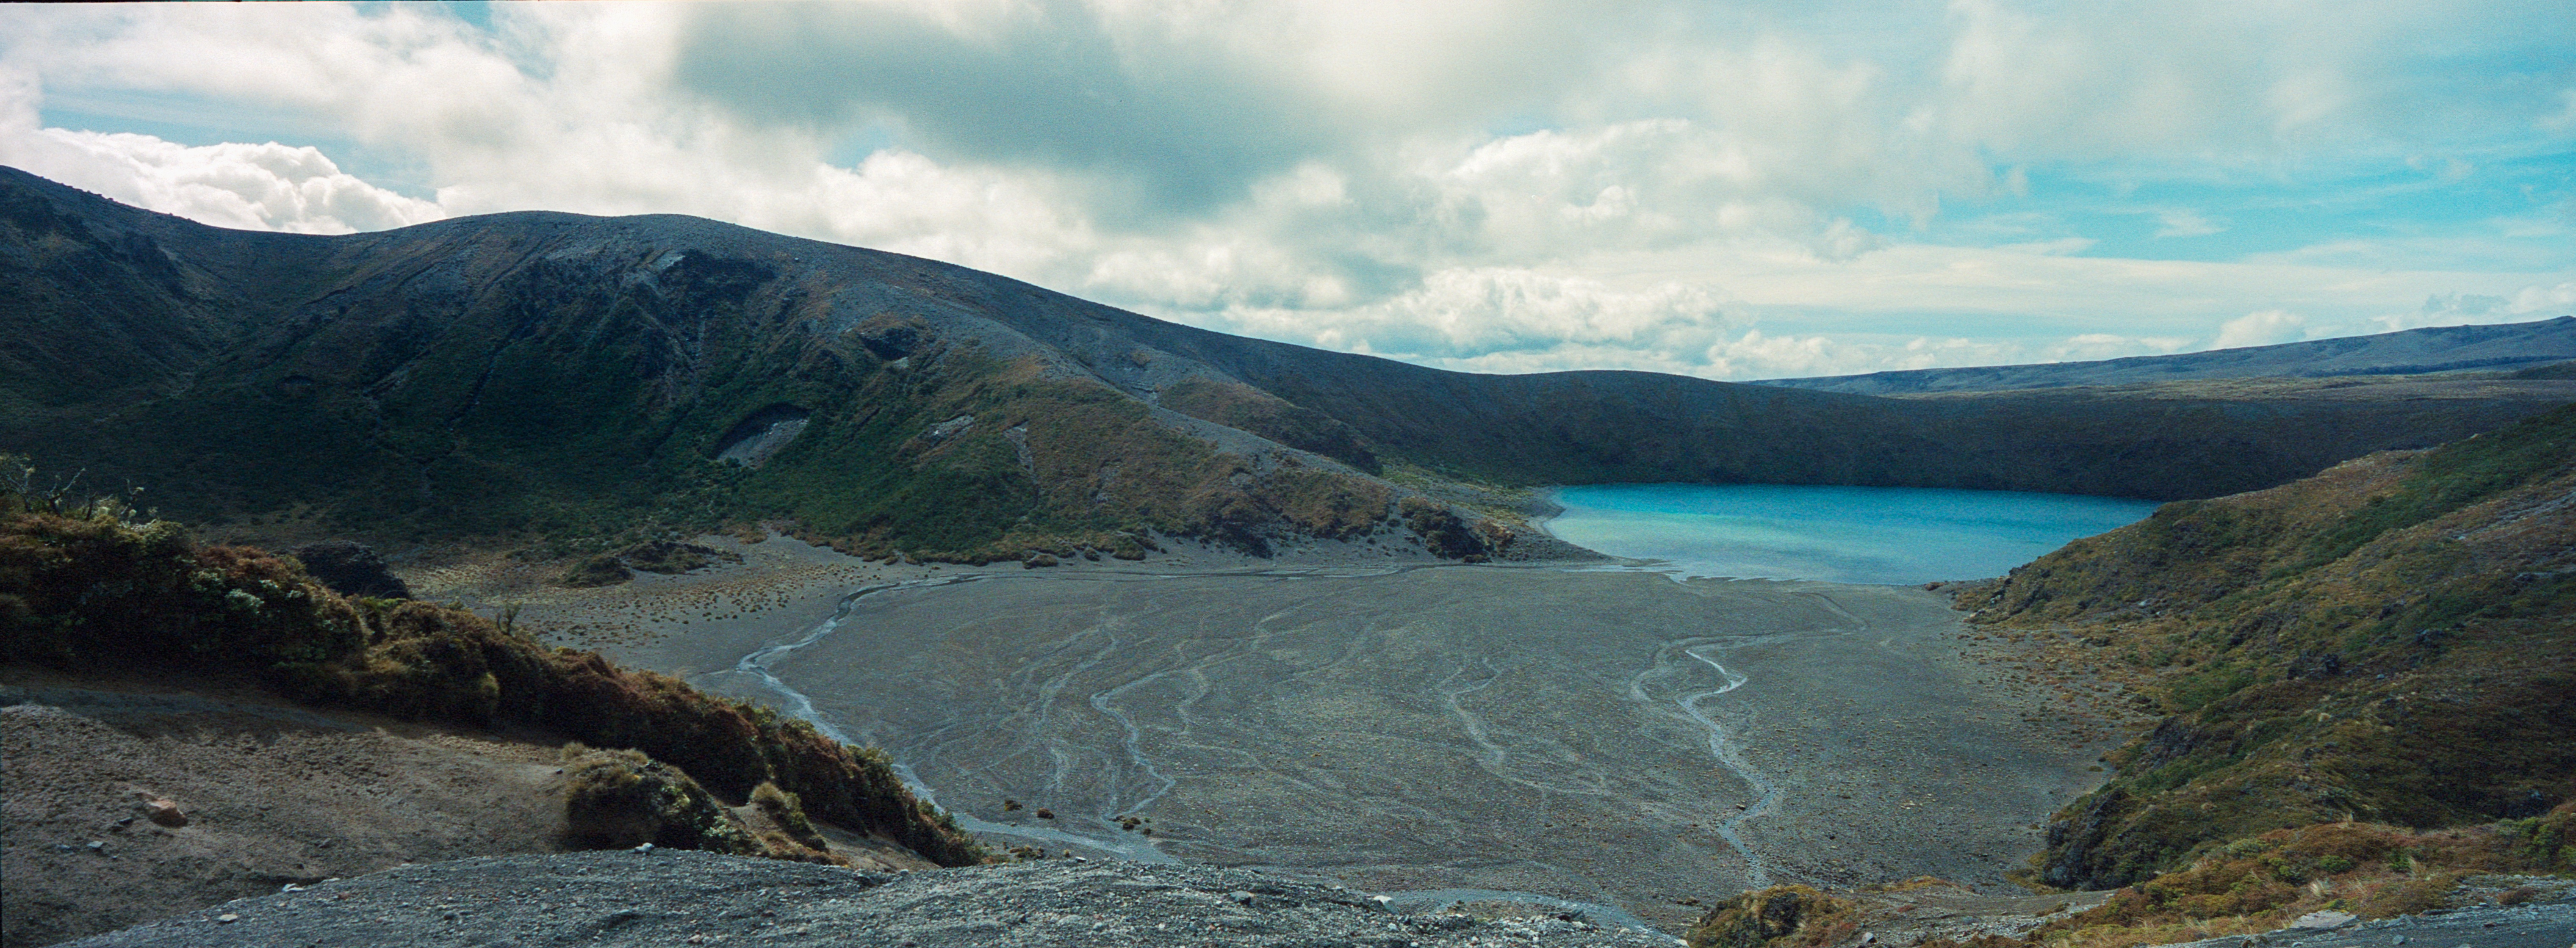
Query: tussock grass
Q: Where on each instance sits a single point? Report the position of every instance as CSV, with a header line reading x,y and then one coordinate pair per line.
x,y
2261,883
786,810
2392,641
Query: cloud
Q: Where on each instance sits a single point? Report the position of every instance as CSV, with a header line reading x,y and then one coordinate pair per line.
x,y
2460,309
1049,85
2564,121
1472,313
2261,329
2185,224
1739,190
251,187
2559,300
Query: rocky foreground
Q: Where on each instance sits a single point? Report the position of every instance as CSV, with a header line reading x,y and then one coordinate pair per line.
x,y
660,897
667,897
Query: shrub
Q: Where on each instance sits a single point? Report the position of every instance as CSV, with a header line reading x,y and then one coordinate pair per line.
x,y
618,799
600,570
1783,916
789,813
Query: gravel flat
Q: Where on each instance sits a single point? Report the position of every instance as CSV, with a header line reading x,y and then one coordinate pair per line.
x,y
687,898
1612,742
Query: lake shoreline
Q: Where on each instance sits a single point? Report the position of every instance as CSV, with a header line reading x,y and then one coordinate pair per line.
x,y
1894,536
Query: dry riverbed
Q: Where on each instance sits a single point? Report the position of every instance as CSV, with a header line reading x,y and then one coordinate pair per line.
x,y
1618,742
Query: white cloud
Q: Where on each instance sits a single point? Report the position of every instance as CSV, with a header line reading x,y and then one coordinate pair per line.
x,y
2261,329
1738,190
2185,224
2564,121
2557,300
1478,312
2460,309
253,187
2093,346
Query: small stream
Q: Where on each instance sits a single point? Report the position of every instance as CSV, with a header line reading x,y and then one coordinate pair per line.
x,y
1758,872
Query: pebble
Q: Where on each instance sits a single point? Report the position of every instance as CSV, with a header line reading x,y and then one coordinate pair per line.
x,y
227,918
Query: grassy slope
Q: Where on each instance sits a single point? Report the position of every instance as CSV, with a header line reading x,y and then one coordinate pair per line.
x,y
567,380
564,383
91,591
2393,641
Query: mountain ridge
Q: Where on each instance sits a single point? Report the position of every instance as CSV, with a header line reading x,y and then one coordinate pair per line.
x,y
574,382
2448,349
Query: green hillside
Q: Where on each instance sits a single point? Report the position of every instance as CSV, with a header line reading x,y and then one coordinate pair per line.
x,y
565,384
2392,641
455,381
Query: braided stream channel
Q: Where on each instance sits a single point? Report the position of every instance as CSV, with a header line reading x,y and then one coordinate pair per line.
x,y
1601,743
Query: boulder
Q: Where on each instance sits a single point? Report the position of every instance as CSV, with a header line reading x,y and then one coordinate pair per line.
x,y
351,569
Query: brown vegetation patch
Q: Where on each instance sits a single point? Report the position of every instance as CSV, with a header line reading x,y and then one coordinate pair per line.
x,y
2387,642
1444,533
2261,883
96,593
1782,916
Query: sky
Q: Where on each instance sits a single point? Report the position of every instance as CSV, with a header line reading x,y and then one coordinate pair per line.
x,y
1726,190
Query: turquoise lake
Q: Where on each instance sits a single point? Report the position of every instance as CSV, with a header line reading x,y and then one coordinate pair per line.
x,y
1886,535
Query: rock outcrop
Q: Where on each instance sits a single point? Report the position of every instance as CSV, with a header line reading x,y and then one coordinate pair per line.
x,y
351,569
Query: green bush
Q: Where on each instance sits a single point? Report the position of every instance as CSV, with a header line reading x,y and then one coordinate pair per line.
x,y
620,799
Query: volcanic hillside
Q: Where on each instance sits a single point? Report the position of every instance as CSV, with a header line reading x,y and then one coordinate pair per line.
x,y
2388,641
575,379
